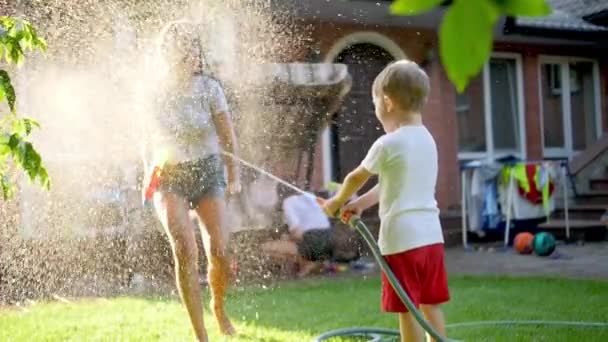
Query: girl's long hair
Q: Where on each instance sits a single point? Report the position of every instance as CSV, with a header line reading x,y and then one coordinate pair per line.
x,y
176,39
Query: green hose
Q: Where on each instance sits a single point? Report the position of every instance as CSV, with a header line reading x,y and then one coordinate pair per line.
x,y
356,223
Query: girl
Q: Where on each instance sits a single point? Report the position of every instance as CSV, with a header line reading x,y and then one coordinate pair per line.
x,y
193,126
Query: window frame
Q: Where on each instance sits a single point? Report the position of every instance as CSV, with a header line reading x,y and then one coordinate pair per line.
x,y
491,153
564,61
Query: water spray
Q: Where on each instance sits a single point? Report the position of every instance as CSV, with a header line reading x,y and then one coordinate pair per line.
x,y
266,173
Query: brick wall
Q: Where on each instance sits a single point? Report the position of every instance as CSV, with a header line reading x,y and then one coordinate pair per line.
x,y
534,144
440,118
414,43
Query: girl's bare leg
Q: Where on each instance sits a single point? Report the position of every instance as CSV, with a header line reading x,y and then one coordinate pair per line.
x,y
173,213
212,211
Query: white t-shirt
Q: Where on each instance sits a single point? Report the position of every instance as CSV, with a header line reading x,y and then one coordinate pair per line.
x,y
406,164
304,212
185,127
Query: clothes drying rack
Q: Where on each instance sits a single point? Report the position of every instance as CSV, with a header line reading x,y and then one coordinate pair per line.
x,y
565,175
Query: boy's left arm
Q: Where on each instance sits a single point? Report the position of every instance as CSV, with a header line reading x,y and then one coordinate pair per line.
x,y
352,183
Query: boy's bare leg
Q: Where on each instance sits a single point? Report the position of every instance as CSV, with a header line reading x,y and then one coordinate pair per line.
x,y
211,211
173,213
434,315
284,249
288,250
409,328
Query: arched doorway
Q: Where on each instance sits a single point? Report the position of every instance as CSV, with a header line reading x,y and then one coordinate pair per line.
x,y
355,126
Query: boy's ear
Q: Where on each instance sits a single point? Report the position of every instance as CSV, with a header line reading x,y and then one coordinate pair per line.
x,y
389,104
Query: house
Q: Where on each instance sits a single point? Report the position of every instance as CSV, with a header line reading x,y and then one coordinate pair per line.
x,y
519,105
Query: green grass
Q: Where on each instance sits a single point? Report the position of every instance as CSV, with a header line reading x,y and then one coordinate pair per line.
x,y
299,311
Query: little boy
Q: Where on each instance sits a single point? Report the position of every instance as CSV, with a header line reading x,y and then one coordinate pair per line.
x,y
405,160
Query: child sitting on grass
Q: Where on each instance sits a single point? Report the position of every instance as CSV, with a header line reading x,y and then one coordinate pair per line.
x,y
405,160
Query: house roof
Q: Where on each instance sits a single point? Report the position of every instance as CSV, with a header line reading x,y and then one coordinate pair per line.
x,y
570,24
568,15
580,8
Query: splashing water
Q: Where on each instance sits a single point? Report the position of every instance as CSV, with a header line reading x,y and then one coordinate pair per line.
x,y
91,93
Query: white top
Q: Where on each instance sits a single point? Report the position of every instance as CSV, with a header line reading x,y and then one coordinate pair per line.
x,y
185,127
406,164
304,212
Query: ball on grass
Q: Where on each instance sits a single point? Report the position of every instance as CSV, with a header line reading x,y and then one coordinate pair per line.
x,y
523,243
543,244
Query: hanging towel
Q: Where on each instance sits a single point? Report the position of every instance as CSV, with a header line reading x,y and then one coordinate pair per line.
x,y
478,197
491,214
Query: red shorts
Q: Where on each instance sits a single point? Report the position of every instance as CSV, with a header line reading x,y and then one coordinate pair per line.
x,y
421,272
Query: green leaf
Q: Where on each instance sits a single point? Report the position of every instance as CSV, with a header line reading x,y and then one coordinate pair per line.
x,y
31,161
412,7
7,22
29,125
6,89
16,55
26,36
19,154
5,149
13,141
17,147
465,39
8,47
44,179
18,127
6,187
37,41
529,8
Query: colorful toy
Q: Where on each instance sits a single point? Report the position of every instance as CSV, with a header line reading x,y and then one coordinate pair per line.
x,y
523,243
154,176
334,267
152,185
543,244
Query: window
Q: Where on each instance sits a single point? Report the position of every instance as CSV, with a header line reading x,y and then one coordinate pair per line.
x,y
571,120
471,118
490,111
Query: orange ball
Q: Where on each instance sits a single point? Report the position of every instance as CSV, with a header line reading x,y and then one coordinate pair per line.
x,y
523,243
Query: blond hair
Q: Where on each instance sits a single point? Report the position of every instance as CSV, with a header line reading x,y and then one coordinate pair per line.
x,y
405,83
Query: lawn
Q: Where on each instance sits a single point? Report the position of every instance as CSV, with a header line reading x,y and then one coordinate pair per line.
x,y
299,311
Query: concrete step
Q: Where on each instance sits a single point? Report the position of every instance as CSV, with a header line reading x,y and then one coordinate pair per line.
x,y
581,211
574,224
580,229
599,184
592,197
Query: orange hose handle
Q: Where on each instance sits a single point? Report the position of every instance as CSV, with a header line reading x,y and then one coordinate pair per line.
x,y
343,216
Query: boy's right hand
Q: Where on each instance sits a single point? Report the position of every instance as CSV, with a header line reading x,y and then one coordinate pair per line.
x,y
354,207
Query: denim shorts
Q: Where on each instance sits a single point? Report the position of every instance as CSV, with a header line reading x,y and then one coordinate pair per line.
x,y
195,180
